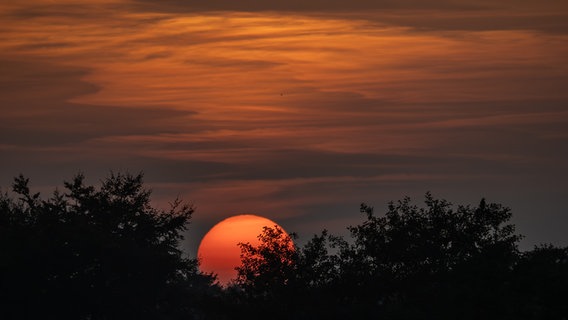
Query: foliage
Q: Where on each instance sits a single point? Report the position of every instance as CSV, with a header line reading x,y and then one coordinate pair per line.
x,y
268,267
436,261
413,254
540,285
95,253
106,253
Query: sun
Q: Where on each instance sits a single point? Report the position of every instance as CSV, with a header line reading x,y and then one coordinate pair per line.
x,y
219,252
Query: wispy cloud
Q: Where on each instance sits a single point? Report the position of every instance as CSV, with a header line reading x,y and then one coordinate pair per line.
x,y
274,107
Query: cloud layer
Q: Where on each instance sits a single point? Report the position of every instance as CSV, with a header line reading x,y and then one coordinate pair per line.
x,y
291,111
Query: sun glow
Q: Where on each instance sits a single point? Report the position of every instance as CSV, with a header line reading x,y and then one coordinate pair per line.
x,y
219,252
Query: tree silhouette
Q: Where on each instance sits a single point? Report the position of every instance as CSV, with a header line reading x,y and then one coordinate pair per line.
x,y
94,253
436,261
539,284
269,267
106,253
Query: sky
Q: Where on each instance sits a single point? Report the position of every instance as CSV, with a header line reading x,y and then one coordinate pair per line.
x,y
294,110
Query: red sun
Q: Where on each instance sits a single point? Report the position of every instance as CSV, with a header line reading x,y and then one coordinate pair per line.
x,y
219,252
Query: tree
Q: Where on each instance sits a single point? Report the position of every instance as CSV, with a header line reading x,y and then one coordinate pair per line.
x,y
94,253
279,278
317,267
435,261
412,260
539,284
106,253
268,268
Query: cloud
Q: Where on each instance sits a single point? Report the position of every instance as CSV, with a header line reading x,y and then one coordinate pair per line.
x,y
296,115
546,16
343,5
36,109
296,5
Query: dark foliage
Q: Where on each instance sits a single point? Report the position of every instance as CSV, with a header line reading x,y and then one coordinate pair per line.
x,y
432,262
267,268
95,254
105,253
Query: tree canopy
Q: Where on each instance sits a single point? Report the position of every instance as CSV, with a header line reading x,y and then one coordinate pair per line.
x,y
435,262
89,253
105,253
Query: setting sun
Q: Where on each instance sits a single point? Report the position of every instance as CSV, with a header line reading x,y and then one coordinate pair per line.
x,y
219,252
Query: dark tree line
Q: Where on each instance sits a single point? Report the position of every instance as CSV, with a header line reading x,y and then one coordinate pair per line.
x,y
433,262
90,253
106,253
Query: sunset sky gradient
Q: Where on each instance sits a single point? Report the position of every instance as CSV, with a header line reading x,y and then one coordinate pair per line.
x,y
294,110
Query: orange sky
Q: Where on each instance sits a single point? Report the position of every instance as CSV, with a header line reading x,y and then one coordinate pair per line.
x,y
298,111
